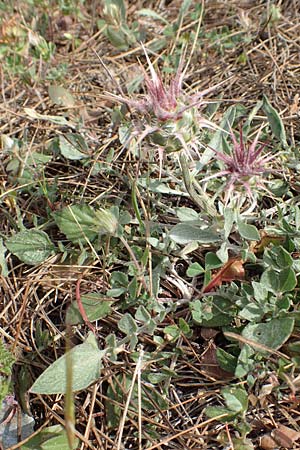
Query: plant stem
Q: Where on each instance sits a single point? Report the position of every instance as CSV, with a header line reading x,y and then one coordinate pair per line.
x,y
203,201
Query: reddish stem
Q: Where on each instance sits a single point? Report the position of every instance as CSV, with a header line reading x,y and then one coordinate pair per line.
x,y
81,308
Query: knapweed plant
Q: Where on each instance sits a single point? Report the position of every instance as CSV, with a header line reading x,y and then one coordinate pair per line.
x,y
245,168
165,116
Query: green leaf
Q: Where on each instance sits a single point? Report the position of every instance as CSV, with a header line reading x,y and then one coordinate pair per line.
x,y
185,214
251,115
172,332
127,324
96,306
272,334
252,312
247,231
236,399
117,393
279,281
216,411
183,233
287,280
77,222
60,96
3,264
228,221
217,313
150,13
142,314
226,360
184,327
70,145
215,143
194,270
58,120
212,261
117,38
275,121
277,257
6,360
260,292
86,366
30,246
51,438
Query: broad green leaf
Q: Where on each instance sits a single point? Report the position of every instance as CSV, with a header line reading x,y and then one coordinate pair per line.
x,y
287,280
119,279
236,399
172,332
51,438
215,314
245,361
117,38
247,231
70,145
226,360
275,121
277,257
183,233
279,281
260,292
184,326
194,270
86,365
61,96
58,120
77,222
30,246
142,314
127,324
3,264
96,307
212,261
272,334
269,280
252,312
185,214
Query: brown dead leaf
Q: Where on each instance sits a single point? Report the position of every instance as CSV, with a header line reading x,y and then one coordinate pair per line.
x,y
266,239
285,436
232,270
210,364
209,333
267,443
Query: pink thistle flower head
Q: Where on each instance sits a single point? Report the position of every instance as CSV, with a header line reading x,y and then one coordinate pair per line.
x,y
163,101
165,116
245,166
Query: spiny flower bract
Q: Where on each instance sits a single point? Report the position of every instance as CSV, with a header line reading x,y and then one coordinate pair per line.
x,y
244,166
